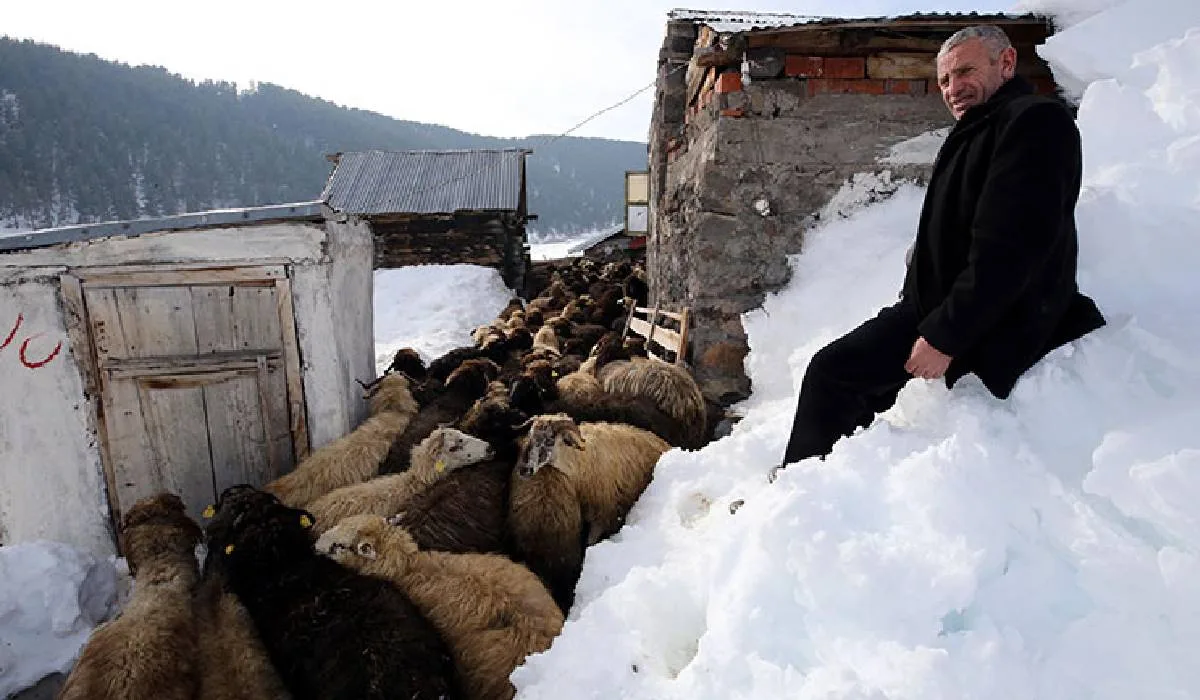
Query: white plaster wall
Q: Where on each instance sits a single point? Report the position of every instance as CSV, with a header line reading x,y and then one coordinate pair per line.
x,y
283,242
333,300
51,478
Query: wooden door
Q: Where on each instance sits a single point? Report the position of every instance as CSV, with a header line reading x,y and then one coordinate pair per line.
x,y
198,378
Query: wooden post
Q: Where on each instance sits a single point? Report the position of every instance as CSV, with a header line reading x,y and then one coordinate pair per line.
x,y
683,336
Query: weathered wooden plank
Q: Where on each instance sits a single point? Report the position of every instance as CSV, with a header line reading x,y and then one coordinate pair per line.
x,y
685,317
256,321
895,65
235,420
173,365
104,320
212,309
298,421
78,335
158,276
829,42
179,443
665,337
157,320
661,312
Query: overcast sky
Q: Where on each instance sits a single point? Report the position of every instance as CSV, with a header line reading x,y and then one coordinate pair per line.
x,y
498,68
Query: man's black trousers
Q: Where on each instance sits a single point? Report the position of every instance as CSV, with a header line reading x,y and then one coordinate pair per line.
x,y
850,380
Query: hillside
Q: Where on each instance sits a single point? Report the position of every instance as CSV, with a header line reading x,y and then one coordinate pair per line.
x,y
84,139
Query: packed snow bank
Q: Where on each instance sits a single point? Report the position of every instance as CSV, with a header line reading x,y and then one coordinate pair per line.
x,y
960,547
1105,44
51,596
433,308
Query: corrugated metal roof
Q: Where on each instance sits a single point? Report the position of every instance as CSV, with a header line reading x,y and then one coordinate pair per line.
x,y
426,182
136,227
732,21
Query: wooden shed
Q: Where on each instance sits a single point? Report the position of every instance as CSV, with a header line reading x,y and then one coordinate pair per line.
x,y
184,354
445,207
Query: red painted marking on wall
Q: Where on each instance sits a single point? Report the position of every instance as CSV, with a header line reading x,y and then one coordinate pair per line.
x,y
13,332
34,365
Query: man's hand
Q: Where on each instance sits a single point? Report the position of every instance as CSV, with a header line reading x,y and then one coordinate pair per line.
x,y
926,361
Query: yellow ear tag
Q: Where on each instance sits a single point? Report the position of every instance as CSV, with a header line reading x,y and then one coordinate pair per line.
x,y
554,373
209,512
305,522
229,549
439,466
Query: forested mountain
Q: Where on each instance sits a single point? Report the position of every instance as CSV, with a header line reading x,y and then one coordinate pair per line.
x,y
84,139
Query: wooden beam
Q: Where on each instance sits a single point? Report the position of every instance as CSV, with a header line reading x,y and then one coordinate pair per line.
x,y
896,65
82,349
291,366
166,275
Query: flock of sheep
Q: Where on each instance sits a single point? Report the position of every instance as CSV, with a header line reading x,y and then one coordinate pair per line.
x,y
427,553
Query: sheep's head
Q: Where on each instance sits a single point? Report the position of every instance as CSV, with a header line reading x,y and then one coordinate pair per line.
x,y
158,526
546,433
492,418
391,392
542,372
534,318
364,537
520,339
251,528
451,448
408,361
472,377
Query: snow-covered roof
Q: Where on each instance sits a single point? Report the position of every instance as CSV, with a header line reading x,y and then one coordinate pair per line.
x,y
426,182
135,227
736,21
598,237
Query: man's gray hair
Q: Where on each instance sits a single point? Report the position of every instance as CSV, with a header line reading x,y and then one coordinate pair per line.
x,y
991,35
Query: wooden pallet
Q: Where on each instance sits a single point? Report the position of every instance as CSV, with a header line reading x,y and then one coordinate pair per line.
x,y
655,329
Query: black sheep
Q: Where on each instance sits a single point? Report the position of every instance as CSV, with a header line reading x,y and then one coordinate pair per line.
x,y
408,361
332,633
440,405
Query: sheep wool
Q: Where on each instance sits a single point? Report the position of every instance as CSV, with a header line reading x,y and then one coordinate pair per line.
x,y
444,450
148,652
493,612
355,457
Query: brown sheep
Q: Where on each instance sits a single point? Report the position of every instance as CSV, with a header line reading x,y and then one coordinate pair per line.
x,y
545,524
355,457
492,612
445,449
609,464
149,652
671,387
546,341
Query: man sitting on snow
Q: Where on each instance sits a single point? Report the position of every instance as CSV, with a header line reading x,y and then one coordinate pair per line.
x,y
991,284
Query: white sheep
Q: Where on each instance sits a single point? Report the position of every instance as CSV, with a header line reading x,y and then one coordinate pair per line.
x,y
442,450
355,457
670,386
492,612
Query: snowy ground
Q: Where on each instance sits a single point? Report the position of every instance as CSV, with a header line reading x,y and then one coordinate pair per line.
x,y
961,547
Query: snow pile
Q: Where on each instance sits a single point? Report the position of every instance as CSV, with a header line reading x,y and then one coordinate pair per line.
x,y
51,596
960,547
919,150
433,308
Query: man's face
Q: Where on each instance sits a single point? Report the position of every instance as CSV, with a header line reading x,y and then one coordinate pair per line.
x,y
968,77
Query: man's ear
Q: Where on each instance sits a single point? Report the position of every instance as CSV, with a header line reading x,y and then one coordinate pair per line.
x,y
1008,62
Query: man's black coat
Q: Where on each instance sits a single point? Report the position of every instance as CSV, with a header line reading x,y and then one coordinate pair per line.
x,y
993,270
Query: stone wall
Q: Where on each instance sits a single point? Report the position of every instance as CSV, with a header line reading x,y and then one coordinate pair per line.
x,y
739,170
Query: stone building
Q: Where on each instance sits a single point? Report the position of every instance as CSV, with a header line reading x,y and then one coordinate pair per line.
x,y
758,121
445,207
